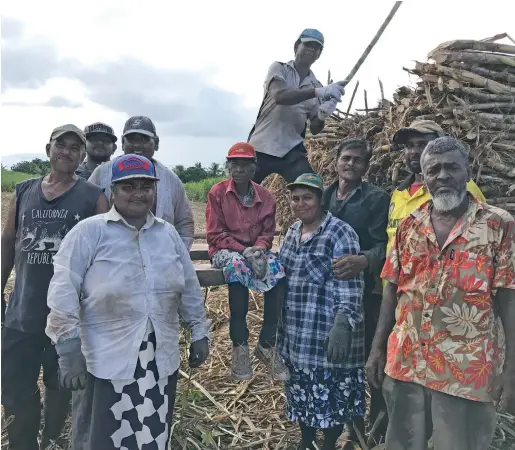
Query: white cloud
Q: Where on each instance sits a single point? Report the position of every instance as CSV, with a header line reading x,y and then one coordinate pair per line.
x,y
230,42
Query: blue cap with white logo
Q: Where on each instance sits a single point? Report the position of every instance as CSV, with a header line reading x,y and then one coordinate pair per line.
x,y
133,166
312,35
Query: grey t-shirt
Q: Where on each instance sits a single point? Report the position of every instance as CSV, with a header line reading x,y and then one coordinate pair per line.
x,y
279,128
40,227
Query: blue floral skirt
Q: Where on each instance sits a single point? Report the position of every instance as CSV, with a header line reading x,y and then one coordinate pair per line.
x,y
237,269
325,398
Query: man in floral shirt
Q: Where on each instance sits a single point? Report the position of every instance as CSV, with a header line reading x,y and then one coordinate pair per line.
x,y
451,277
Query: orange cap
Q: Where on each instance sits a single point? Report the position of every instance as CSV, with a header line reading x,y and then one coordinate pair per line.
x,y
242,150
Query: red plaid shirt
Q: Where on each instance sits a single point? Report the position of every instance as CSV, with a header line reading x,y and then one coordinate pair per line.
x,y
233,226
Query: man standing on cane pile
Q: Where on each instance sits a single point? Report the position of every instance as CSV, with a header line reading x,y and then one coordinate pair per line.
x,y
450,278
42,212
365,208
292,96
412,193
170,203
100,146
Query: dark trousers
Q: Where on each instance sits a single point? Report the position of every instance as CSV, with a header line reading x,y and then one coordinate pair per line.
x,y
23,354
290,166
239,306
372,306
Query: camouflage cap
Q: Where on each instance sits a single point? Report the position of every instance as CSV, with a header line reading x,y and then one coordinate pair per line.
x,y
418,126
68,128
307,179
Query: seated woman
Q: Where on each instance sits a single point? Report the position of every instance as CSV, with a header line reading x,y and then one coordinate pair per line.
x,y
240,226
321,336
122,281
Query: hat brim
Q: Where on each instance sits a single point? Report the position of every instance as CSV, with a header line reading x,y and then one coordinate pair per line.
x,y
309,39
400,136
240,157
145,132
132,177
301,184
111,136
82,137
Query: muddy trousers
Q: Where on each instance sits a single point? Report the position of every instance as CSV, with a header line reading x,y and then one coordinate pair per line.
x,y
239,307
23,355
417,412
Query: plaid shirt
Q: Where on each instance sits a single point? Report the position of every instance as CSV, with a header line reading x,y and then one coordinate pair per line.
x,y
315,295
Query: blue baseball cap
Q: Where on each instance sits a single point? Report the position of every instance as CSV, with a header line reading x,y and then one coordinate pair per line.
x,y
133,166
312,35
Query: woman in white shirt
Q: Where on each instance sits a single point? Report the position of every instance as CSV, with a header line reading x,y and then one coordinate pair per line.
x,y
121,283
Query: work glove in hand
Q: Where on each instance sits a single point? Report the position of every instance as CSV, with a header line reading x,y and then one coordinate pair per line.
x,y
333,90
199,351
258,261
339,340
72,364
252,252
327,108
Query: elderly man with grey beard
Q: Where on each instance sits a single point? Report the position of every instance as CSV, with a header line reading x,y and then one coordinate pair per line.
x,y
450,358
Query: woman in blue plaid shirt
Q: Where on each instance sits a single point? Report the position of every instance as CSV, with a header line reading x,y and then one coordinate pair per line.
x,y
321,337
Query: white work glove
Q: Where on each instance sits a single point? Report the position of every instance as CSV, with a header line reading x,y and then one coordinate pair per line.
x,y
258,261
72,364
327,108
333,90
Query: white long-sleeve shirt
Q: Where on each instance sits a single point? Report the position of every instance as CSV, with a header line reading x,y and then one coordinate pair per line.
x,y
123,278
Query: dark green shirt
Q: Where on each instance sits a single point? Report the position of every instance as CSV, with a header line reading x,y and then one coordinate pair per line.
x,y
366,210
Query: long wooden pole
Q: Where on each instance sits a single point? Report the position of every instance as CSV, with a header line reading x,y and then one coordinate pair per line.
x,y
367,51
352,98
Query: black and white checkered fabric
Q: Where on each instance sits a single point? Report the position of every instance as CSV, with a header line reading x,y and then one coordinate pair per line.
x,y
142,408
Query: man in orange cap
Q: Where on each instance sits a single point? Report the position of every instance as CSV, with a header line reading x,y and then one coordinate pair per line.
x,y
240,228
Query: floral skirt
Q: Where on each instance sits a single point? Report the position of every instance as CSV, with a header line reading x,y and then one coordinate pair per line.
x,y
237,269
325,398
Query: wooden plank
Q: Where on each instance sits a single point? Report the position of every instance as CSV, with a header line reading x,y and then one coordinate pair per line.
x,y
202,234
208,276
199,252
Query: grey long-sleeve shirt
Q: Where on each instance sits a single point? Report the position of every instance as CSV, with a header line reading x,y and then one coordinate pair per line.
x,y
110,279
172,204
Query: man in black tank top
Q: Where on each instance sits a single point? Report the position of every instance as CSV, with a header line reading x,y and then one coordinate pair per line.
x,y
41,214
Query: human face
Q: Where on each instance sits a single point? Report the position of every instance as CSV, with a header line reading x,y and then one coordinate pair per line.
x,y
99,147
134,197
351,164
306,205
446,176
307,53
414,146
65,153
241,170
139,144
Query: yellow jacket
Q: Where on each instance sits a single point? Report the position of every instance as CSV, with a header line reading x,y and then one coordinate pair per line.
x,y
402,204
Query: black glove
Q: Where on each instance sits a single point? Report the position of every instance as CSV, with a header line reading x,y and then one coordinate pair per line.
x,y
199,351
339,340
72,364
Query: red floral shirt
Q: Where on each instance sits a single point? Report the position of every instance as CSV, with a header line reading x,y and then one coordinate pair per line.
x,y
448,336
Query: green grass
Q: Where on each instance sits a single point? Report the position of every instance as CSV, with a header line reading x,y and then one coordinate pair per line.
x,y
197,190
10,178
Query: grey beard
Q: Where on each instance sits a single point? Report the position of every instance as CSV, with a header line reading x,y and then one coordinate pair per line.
x,y
448,202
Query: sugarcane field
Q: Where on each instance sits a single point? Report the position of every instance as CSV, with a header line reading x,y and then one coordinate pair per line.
x,y
195,260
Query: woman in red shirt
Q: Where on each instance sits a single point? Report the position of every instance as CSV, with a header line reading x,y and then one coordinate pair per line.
x,y
240,225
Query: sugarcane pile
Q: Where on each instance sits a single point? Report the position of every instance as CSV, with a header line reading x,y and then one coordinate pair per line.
x,y
468,87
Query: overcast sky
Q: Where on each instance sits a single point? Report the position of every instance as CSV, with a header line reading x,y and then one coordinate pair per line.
x,y
197,68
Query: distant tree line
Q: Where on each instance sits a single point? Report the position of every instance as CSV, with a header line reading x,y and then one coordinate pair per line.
x,y
35,167
194,173
198,173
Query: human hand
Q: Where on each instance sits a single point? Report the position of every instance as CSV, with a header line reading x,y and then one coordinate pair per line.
x,y
339,340
327,108
72,364
374,368
253,252
199,351
333,90
349,266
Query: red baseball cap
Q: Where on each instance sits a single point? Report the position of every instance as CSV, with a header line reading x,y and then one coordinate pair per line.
x,y
242,150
